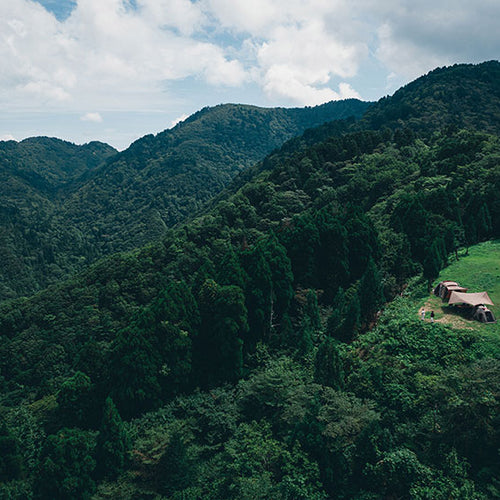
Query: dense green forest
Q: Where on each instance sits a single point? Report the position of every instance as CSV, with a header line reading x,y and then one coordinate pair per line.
x,y
64,206
34,175
270,347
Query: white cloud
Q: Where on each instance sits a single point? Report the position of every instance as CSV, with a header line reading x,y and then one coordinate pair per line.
x,y
300,62
109,56
178,120
415,37
92,117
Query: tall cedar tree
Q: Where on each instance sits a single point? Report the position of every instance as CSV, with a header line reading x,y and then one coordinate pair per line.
x,y
371,293
171,323
174,470
281,277
77,403
10,458
112,443
328,367
333,253
258,293
218,347
229,270
133,375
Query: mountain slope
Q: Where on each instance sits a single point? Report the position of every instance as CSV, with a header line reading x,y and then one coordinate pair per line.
x,y
248,335
161,179
65,205
461,96
34,175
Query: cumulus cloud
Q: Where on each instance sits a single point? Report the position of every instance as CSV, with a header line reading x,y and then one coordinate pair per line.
x,y
415,37
121,54
91,117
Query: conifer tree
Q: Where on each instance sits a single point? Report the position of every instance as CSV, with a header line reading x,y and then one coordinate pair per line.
x,y
432,264
10,457
76,402
371,293
351,320
174,470
328,369
258,294
281,276
218,347
133,373
229,270
112,442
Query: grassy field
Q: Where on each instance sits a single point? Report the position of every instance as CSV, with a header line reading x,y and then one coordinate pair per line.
x,y
479,271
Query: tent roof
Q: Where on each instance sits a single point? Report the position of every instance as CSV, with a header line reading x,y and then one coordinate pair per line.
x,y
473,299
457,288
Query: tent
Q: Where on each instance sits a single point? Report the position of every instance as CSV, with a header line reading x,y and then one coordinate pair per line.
x,y
483,314
445,288
472,299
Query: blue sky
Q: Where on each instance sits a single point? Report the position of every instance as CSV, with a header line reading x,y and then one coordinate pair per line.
x,y
115,70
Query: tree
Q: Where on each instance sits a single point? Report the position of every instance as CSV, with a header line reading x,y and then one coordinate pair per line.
x,y
133,374
171,323
332,253
301,241
328,367
281,277
218,347
258,295
76,400
112,442
371,293
432,263
229,270
350,324
66,467
10,457
174,471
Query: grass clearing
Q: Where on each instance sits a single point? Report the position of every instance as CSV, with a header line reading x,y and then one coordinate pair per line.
x,y
479,271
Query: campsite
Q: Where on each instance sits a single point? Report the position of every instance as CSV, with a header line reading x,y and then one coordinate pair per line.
x,y
479,271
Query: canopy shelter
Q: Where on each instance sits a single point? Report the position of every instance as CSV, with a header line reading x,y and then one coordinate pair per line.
x,y
472,299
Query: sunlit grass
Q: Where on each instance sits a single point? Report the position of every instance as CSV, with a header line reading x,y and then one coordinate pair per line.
x,y
479,271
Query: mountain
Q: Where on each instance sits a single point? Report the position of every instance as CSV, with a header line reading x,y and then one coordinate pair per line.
x,y
248,349
65,205
460,96
161,179
34,175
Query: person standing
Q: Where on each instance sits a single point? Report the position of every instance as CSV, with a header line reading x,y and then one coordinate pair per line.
x,y
432,316
423,313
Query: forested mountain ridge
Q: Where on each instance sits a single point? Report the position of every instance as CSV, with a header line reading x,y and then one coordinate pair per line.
x,y
161,179
64,206
241,349
35,175
462,96
48,164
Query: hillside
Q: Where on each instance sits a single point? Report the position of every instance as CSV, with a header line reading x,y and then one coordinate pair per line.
x,y
161,179
460,96
34,174
478,270
65,206
246,355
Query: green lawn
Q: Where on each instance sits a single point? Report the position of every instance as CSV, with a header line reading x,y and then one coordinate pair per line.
x,y
479,271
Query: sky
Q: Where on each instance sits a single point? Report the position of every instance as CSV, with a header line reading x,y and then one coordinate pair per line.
x,y
116,70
